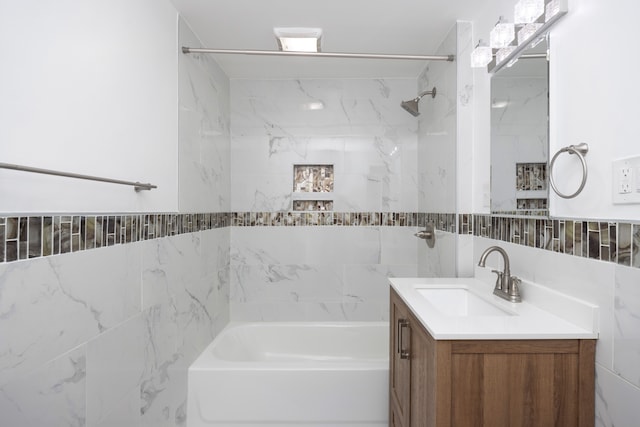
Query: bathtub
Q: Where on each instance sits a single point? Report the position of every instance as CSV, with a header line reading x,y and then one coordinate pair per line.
x,y
311,374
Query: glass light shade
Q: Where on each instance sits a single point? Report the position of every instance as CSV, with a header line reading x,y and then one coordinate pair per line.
x,y
526,32
527,11
551,10
502,35
503,53
481,56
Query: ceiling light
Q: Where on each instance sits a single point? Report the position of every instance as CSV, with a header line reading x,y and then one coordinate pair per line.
x,y
312,106
298,39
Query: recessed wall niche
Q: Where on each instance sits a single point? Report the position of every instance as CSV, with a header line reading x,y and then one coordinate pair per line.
x,y
312,187
313,205
313,178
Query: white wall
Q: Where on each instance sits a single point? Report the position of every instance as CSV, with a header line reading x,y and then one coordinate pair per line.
x,y
90,88
593,100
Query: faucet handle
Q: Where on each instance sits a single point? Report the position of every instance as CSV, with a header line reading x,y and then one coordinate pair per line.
x,y
514,289
499,279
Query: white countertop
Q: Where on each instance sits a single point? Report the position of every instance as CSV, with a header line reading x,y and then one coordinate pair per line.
x,y
525,320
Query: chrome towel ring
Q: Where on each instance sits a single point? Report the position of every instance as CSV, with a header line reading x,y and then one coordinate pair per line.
x,y
580,150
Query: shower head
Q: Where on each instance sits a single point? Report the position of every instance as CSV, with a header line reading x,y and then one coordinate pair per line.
x,y
412,105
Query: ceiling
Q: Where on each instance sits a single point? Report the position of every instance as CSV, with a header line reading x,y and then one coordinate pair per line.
x,y
354,26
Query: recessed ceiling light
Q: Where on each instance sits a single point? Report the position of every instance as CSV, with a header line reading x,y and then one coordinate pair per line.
x,y
298,39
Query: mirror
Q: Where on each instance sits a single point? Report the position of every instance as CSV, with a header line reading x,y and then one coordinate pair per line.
x,y
520,135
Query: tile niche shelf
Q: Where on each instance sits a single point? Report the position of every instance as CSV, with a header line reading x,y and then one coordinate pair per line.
x,y
312,188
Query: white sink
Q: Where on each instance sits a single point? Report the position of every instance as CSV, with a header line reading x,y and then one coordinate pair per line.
x,y
460,302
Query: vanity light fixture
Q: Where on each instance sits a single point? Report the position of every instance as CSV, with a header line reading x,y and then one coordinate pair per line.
x,y
525,33
532,20
502,34
481,55
552,9
296,39
527,11
504,53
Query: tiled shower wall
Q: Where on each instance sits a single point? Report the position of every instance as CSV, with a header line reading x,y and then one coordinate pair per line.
x,y
322,273
437,140
102,332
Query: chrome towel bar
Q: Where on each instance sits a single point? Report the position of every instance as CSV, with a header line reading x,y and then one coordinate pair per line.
x,y
580,150
138,186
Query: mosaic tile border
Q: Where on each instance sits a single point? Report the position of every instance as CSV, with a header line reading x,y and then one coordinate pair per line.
x,y
25,237
444,222
610,241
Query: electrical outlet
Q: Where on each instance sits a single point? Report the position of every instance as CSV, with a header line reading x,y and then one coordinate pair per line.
x,y
625,188
626,181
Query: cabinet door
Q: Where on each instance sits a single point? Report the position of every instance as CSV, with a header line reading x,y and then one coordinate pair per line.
x,y
400,369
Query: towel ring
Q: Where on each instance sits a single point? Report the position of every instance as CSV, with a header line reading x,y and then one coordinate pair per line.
x,y
580,150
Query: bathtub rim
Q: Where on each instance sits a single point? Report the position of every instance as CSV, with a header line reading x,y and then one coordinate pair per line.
x,y
206,361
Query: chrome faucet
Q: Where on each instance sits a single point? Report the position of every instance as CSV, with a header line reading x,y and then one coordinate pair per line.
x,y
507,286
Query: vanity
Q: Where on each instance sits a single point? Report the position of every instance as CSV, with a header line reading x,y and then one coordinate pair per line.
x,y
461,356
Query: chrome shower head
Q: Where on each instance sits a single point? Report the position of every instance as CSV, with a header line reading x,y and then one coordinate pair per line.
x,y
412,105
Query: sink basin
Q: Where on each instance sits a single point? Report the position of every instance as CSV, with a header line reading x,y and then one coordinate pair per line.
x,y
460,302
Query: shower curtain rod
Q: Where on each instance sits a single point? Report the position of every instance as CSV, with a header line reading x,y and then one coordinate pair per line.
x,y
449,58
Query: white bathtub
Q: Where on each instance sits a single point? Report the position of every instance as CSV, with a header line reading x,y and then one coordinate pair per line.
x,y
311,374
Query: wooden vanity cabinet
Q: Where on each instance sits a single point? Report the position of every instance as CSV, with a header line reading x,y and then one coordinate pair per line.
x,y
487,383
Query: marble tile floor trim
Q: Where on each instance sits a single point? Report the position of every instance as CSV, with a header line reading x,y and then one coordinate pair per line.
x,y
25,237
611,241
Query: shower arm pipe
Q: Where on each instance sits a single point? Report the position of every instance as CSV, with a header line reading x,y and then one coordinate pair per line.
x,y
138,186
449,58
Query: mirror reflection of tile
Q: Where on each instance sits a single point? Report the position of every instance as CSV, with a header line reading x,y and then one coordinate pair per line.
x,y
532,204
531,176
313,178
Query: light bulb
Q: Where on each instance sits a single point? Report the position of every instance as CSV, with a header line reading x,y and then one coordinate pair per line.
x,y
551,10
481,55
527,11
526,32
502,34
502,54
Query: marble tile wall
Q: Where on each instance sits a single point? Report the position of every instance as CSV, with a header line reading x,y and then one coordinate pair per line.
x,y
203,131
101,315
295,270
360,130
437,145
106,335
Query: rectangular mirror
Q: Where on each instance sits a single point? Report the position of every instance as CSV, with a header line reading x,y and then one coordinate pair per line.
x,y
520,135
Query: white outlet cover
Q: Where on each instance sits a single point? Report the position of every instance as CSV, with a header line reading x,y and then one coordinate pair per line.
x,y
626,181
